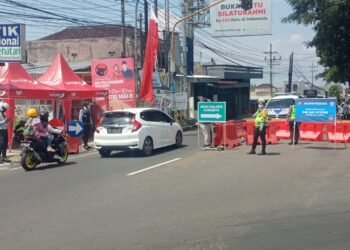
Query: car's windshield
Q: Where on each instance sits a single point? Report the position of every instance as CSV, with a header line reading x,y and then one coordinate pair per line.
x,y
117,118
280,103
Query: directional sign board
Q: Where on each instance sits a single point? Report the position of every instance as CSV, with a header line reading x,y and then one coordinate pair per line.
x,y
75,128
211,112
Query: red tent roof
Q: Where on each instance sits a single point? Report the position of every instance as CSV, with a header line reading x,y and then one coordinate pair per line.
x,y
15,82
62,77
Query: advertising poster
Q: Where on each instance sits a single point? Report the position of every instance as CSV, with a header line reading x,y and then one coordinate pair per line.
x,y
316,110
181,101
164,101
229,19
116,75
12,43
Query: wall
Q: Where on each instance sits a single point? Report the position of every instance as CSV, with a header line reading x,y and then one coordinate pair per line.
x,y
77,50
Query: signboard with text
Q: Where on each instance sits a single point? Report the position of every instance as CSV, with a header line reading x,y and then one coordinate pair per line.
x,y
229,19
211,112
181,102
117,76
322,110
12,43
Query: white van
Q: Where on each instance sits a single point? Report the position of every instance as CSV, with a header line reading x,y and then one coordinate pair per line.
x,y
278,106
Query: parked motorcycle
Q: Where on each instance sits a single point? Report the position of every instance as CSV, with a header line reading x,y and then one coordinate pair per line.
x,y
34,152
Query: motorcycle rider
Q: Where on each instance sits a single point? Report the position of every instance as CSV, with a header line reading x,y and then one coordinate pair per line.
x,y
44,131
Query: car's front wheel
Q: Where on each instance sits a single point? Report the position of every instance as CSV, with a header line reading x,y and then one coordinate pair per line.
x,y
178,139
147,147
104,152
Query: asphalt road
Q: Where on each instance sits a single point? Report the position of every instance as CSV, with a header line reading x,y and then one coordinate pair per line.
x,y
288,199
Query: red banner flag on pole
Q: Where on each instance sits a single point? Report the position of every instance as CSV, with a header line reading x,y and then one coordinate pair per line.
x,y
146,92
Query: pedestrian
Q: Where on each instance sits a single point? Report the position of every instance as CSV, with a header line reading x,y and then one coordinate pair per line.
x,y
3,131
85,119
294,137
206,128
261,119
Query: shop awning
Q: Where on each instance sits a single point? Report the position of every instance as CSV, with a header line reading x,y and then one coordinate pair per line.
x,y
16,83
60,76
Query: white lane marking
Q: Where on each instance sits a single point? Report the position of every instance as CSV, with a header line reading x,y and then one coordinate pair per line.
x,y
4,168
11,169
152,167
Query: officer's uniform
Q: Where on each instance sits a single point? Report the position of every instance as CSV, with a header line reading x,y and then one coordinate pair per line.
x,y
261,119
85,118
291,126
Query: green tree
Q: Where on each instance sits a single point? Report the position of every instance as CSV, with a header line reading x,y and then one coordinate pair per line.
x,y
331,21
335,90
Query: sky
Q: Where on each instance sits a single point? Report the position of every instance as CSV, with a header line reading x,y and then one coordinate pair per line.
x,y
285,39
248,51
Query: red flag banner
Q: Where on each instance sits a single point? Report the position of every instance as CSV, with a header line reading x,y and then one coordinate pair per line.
x,y
146,92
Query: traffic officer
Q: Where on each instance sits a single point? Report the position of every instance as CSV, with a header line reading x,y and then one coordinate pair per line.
x,y
261,119
291,117
85,118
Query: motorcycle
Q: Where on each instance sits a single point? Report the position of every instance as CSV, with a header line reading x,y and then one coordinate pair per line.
x,y
34,152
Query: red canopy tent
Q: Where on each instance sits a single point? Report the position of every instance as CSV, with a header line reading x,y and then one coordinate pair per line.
x,y
16,83
60,76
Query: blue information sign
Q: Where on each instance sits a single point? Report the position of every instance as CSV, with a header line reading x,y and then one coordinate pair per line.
x,y
75,128
316,110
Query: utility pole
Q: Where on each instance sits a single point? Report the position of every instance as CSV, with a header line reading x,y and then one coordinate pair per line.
x,y
146,22
123,27
290,73
141,39
184,49
167,39
313,69
156,8
272,61
135,36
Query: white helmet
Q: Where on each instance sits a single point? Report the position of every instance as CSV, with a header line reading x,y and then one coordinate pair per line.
x,y
261,101
4,106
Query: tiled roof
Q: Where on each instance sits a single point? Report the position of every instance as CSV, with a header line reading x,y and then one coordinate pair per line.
x,y
98,31
264,86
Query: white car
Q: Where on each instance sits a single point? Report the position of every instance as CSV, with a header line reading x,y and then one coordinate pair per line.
x,y
278,106
144,129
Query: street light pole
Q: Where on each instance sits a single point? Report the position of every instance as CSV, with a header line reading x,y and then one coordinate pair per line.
x,y
172,68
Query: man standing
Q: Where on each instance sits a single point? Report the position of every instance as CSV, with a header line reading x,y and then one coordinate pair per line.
x,y
291,117
207,130
261,119
3,131
85,119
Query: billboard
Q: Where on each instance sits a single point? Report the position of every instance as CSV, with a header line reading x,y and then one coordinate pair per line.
x,y
322,110
12,43
229,19
116,75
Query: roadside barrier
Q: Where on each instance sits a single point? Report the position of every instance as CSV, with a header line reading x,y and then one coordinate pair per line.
x,y
311,131
232,133
228,134
271,132
283,130
73,145
342,132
